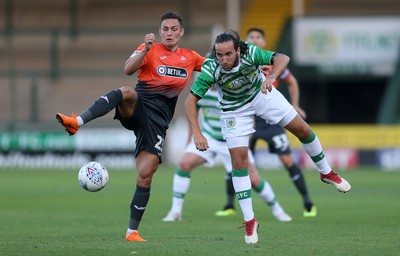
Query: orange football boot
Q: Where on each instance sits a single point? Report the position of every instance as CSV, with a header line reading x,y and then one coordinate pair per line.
x,y
70,123
134,237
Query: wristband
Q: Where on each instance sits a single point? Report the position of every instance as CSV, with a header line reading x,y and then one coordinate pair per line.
x,y
272,76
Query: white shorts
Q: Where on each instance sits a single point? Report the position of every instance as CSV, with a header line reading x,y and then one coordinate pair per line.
x,y
272,107
216,149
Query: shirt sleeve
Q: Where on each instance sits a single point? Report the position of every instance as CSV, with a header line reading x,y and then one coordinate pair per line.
x,y
204,81
260,56
198,61
139,49
285,75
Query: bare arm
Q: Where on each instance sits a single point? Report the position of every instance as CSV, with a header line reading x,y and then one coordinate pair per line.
x,y
191,112
133,63
280,63
190,135
294,93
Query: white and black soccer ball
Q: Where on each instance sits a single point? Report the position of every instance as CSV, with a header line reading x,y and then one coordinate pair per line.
x,y
93,176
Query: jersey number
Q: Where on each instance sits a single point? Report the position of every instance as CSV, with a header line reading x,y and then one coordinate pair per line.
x,y
160,143
281,141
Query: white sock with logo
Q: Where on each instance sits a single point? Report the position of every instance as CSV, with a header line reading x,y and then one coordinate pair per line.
x,y
314,149
242,184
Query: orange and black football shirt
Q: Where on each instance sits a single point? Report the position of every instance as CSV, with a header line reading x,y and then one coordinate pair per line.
x,y
286,74
165,72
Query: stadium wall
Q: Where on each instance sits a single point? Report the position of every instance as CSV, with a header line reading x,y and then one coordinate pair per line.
x,y
346,147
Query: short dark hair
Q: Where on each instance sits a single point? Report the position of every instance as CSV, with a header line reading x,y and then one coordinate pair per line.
x,y
259,30
171,15
233,36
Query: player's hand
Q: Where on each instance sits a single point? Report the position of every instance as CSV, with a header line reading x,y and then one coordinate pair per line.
x,y
265,70
200,142
300,111
149,41
266,86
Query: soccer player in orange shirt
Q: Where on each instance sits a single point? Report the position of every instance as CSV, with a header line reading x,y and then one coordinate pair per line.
x,y
163,69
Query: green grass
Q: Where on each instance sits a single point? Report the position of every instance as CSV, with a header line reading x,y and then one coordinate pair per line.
x,y
47,213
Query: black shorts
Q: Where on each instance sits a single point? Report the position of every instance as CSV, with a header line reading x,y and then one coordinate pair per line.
x,y
152,115
274,135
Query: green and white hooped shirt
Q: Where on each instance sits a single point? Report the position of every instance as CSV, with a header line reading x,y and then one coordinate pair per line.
x,y
238,86
210,115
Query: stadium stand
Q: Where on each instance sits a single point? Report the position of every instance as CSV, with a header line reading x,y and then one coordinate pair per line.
x,y
270,16
68,52
76,49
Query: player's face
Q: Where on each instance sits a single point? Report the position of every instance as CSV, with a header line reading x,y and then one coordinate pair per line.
x,y
171,32
256,38
227,55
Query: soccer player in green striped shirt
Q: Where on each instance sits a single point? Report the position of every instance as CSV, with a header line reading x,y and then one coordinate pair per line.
x,y
233,67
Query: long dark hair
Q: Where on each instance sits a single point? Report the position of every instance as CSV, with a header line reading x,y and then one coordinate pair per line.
x,y
233,36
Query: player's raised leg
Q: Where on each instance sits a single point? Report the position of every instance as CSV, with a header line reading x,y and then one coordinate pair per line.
x,y
313,147
99,108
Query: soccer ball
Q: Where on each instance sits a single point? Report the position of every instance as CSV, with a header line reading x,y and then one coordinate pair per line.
x,y
93,176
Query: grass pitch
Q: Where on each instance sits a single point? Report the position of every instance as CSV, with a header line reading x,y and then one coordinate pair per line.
x,y
48,213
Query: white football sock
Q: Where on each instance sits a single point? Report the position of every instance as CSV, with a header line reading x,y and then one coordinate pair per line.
x,y
268,196
242,185
180,187
80,121
131,230
315,151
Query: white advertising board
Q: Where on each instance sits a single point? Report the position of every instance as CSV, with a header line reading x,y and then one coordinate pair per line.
x,y
353,44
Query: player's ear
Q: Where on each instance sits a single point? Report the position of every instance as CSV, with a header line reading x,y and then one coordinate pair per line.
x,y
182,31
159,31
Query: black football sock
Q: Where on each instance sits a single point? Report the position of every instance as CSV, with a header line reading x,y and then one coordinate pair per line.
x,y
298,180
138,206
102,106
230,192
